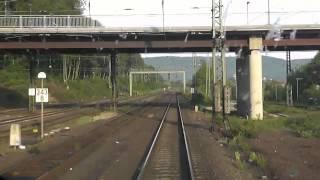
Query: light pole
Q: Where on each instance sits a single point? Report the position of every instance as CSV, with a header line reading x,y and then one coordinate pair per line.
x,y
42,76
30,7
248,2
89,6
269,12
276,92
6,2
298,79
264,86
5,8
236,85
162,4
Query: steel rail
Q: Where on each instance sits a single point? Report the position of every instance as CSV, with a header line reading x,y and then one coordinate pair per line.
x,y
146,160
32,118
156,137
191,175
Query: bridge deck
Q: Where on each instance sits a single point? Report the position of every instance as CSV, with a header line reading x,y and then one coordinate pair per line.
x,y
74,33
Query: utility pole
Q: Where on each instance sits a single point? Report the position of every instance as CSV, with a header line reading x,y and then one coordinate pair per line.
x,y
214,49
109,73
288,85
162,5
207,65
114,80
218,38
30,8
268,12
248,2
276,88
89,4
194,63
31,82
298,79
209,78
5,8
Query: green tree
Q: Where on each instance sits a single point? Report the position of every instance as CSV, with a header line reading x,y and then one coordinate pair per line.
x,y
310,73
50,7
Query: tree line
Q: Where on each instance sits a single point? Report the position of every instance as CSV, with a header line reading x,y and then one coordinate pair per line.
x,y
309,82
48,7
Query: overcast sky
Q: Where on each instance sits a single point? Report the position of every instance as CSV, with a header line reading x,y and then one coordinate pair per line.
x,y
148,13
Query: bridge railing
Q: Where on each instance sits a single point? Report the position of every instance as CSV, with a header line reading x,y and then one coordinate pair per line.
x,y
47,22
151,20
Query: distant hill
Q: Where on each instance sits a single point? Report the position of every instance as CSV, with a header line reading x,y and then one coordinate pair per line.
x,y
273,68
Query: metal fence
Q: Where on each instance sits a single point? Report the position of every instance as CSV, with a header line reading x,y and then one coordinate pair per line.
x,y
47,22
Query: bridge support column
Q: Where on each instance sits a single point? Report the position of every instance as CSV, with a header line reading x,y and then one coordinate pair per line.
x,y
242,73
114,81
255,75
249,81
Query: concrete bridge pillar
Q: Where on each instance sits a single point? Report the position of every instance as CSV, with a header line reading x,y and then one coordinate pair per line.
x,y
249,81
255,74
242,73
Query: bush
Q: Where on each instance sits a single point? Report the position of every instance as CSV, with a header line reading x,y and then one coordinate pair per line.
x,y
238,143
246,128
305,126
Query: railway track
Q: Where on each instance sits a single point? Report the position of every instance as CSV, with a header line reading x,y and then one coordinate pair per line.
x,y
35,117
53,163
28,118
168,156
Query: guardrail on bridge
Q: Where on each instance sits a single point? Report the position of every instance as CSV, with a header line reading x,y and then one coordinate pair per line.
x,y
54,21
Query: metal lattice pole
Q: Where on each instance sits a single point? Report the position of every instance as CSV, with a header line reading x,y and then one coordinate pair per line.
x,y
218,64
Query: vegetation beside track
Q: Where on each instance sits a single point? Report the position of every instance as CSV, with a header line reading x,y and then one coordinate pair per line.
x,y
89,82
301,122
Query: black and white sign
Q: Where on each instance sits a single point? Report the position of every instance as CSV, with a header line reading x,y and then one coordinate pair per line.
x,y
42,95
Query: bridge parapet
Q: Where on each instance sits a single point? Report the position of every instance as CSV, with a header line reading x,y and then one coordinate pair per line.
x,y
55,21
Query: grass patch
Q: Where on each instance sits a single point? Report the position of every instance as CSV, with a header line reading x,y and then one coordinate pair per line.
x,y
239,162
258,160
303,122
83,120
250,129
277,108
239,143
307,125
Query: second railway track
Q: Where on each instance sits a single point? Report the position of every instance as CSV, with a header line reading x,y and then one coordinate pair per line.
x,y
32,117
168,156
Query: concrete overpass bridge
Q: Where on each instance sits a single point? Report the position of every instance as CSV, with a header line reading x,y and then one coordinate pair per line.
x,y
75,33
79,34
